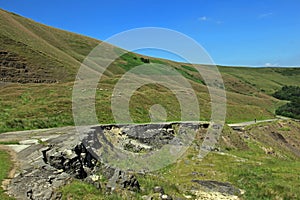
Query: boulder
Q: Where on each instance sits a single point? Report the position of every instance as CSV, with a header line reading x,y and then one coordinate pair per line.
x,y
158,189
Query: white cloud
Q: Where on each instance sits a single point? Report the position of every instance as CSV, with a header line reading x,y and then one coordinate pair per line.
x,y
264,15
208,19
204,18
272,65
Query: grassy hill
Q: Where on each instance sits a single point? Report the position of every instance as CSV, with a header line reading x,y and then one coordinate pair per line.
x,y
38,65
39,53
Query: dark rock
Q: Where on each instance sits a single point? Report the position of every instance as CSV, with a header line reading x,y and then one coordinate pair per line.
x,y
71,161
197,174
216,186
206,125
94,180
29,194
128,181
66,160
56,160
158,189
44,152
145,197
165,197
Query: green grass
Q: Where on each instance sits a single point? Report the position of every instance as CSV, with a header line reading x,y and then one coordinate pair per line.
x,y
274,179
78,190
46,106
246,166
8,142
34,106
267,80
285,129
189,68
131,60
5,166
190,76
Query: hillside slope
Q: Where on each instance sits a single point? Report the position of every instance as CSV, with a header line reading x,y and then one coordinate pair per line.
x,y
32,52
38,65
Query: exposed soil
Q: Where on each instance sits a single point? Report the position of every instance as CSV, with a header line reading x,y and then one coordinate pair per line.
x,y
278,136
14,68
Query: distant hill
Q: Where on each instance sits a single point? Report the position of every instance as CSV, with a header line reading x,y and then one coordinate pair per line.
x,y
40,64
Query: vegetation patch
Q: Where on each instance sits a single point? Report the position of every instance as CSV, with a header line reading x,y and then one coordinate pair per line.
x,y
9,142
5,166
292,94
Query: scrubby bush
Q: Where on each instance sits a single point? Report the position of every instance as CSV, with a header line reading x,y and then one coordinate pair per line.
x,y
292,94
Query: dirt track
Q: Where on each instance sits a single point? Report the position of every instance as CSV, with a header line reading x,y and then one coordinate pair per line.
x,y
15,165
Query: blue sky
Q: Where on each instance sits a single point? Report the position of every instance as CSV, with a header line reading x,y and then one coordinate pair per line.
x,y
233,32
